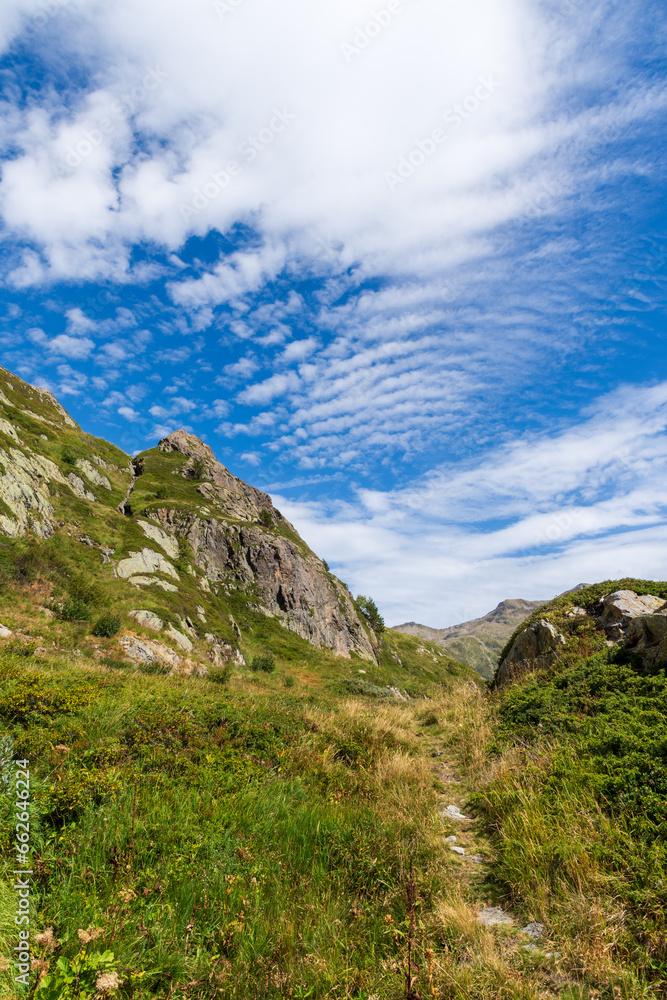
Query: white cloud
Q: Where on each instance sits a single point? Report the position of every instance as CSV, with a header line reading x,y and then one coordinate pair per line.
x,y
78,322
129,413
180,93
77,348
529,519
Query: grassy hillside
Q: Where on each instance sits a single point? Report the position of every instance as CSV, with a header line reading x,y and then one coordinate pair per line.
x,y
249,834
572,788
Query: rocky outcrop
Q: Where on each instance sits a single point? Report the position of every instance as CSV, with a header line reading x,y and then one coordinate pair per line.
x,y
146,561
149,652
291,584
78,488
646,636
618,610
24,492
230,496
537,646
91,474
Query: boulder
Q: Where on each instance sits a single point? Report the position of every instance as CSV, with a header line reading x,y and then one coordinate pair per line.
x,y
149,651
91,474
618,610
79,488
146,561
156,534
180,639
537,646
647,636
147,619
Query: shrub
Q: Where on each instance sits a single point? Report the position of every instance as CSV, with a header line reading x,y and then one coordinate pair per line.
x,y
107,626
18,648
161,493
265,518
199,467
68,455
81,589
266,663
288,681
220,675
72,610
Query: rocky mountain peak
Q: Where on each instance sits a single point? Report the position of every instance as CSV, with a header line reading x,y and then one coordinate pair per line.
x,y
187,444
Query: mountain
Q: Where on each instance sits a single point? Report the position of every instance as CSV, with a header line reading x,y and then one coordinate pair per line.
x,y
480,641
238,788
173,543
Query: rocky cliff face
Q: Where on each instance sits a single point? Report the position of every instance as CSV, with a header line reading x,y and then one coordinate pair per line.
x,y
480,641
165,523
243,541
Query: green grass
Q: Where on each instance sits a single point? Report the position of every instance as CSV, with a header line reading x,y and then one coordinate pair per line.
x,y
573,788
239,839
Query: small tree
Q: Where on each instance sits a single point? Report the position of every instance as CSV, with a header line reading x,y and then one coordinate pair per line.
x,y
368,609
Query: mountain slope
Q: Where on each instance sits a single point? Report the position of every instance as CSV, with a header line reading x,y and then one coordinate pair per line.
x,y
478,642
173,522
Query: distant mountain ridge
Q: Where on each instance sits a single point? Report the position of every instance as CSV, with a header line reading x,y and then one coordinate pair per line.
x,y
480,641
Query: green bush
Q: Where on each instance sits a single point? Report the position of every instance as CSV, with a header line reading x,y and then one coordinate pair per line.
x,y
107,626
265,663
72,610
265,518
288,681
220,675
161,493
68,455
18,648
199,467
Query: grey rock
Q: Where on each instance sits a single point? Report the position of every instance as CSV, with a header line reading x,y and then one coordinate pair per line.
x,y
79,488
453,812
91,474
457,850
179,638
534,931
152,581
222,653
493,915
146,561
647,636
24,479
5,632
148,619
9,430
201,614
537,646
164,540
289,579
149,651
451,840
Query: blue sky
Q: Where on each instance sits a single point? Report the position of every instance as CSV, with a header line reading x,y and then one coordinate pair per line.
x,y
401,264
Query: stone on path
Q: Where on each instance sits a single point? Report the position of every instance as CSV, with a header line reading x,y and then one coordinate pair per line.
x,y
453,812
493,915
